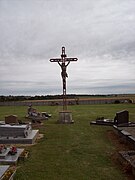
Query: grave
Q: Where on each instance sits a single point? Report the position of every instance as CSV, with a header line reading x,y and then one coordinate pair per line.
x,y
7,158
17,134
121,119
36,116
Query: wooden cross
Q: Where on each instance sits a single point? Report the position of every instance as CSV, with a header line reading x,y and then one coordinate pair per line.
x,y
63,62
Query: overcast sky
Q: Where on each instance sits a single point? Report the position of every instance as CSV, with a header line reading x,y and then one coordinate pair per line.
x,y
100,33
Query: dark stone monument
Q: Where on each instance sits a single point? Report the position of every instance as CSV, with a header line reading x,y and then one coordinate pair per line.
x,y
121,117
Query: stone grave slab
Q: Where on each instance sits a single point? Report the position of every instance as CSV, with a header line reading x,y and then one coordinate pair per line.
x,y
10,159
121,119
3,169
106,122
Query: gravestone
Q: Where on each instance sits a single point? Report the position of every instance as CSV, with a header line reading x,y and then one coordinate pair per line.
x,y
121,117
12,119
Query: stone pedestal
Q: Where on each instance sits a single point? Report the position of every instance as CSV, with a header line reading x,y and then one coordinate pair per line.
x,y
65,117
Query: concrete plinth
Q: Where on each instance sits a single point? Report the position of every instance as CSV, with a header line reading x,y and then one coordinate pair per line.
x,y
65,117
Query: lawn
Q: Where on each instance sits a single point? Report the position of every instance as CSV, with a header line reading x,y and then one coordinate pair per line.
x,y
71,152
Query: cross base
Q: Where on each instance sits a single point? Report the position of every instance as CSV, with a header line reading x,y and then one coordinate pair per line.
x,y
65,117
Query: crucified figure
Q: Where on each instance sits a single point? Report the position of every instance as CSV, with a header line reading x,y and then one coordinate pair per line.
x,y
63,68
63,72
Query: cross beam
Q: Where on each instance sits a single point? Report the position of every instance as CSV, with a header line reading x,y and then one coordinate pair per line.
x,y
66,59
63,63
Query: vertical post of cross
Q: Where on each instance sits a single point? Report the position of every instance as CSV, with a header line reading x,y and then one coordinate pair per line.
x,y
64,75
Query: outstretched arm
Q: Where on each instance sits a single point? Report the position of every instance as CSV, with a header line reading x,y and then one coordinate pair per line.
x,y
59,63
67,63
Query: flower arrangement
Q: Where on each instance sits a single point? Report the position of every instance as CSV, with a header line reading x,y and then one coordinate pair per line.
x,y
13,150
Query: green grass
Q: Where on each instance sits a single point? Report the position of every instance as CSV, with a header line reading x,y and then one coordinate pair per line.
x,y
71,152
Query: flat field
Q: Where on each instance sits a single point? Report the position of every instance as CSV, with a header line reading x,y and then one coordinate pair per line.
x,y
78,151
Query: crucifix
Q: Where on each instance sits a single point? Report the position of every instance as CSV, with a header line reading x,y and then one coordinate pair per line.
x,y
63,63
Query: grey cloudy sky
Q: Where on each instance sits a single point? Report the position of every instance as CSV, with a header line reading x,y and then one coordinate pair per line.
x,y
100,33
